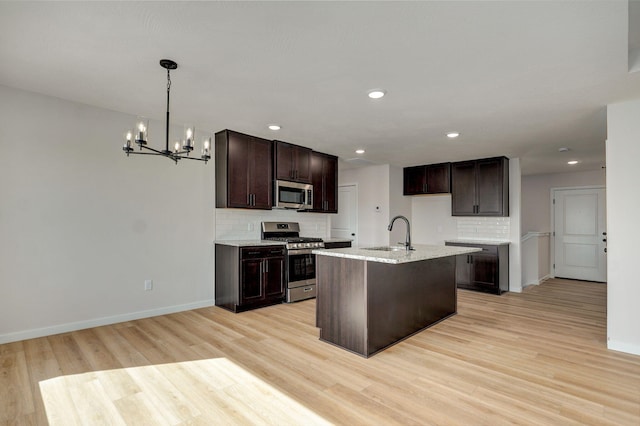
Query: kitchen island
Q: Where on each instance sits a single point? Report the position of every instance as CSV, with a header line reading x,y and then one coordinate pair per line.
x,y
370,299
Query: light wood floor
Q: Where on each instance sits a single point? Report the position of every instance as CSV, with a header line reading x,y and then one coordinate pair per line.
x,y
538,357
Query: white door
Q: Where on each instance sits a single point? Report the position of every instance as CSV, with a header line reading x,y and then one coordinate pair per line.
x,y
580,234
345,223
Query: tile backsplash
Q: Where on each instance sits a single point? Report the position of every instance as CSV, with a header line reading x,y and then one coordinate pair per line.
x,y
241,224
484,228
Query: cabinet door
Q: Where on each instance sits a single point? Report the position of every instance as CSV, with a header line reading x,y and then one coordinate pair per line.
x,y
302,164
331,184
238,176
317,180
463,270
490,178
284,161
293,162
415,180
251,287
274,277
485,270
463,188
438,178
324,178
260,173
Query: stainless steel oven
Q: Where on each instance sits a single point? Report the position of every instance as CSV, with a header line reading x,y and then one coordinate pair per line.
x,y
301,263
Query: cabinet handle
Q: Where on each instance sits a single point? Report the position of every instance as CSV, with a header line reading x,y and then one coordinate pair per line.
x,y
253,199
307,289
266,266
248,199
426,187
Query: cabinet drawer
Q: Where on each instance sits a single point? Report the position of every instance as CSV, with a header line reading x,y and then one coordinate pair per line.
x,y
261,252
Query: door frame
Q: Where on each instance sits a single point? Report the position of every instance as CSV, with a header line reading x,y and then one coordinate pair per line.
x,y
552,239
355,185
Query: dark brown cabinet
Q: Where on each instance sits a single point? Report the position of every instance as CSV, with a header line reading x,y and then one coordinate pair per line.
x,y
486,271
480,187
249,277
337,244
324,178
292,162
428,179
243,171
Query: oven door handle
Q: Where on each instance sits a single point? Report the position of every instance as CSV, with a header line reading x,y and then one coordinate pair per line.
x,y
297,251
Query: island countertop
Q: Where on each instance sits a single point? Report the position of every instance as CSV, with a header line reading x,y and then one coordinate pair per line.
x,y
421,252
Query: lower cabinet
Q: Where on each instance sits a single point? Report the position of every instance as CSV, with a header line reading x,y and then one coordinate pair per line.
x,y
486,271
249,277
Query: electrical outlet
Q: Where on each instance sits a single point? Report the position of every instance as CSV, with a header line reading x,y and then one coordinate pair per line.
x,y
148,285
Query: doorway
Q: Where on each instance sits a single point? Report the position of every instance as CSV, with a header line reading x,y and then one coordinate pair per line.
x,y
345,223
579,233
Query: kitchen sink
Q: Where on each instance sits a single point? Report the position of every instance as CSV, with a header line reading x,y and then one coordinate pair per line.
x,y
387,248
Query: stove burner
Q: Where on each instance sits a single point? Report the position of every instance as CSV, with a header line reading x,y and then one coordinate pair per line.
x,y
295,239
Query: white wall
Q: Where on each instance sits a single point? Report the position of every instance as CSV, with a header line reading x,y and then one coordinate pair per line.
x,y
623,227
373,202
432,220
536,190
82,226
245,224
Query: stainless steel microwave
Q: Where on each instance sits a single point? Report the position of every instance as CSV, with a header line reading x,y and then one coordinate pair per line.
x,y
293,195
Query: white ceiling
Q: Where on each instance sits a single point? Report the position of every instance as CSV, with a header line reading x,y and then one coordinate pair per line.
x,y
517,78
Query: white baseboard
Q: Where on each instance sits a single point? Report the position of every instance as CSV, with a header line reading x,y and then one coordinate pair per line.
x,y
97,322
623,347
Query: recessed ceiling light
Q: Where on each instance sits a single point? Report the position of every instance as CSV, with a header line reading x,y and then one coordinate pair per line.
x,y
572,162
453,135
563,149
377,93
359,151
274,127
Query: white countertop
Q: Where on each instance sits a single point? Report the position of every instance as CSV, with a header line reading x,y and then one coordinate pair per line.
x,y
483,242
249,243
421,252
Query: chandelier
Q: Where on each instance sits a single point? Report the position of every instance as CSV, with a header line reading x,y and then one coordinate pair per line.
x,y
180,150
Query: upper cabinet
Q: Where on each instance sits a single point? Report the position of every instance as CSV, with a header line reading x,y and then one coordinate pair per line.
x,y
480,187
324,178
429,179
292,162
244,171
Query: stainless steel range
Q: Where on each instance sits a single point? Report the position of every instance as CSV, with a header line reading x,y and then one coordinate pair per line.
x,y
301,263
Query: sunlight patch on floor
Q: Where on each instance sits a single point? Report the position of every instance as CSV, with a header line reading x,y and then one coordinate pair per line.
x,y
211,391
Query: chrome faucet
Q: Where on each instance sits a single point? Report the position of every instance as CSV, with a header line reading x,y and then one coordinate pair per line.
x,y
407,243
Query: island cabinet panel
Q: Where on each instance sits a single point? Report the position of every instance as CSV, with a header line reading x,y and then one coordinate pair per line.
x,y
365,306
480,187
244,172
428,179
423,293
340,308
292,162
249,277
